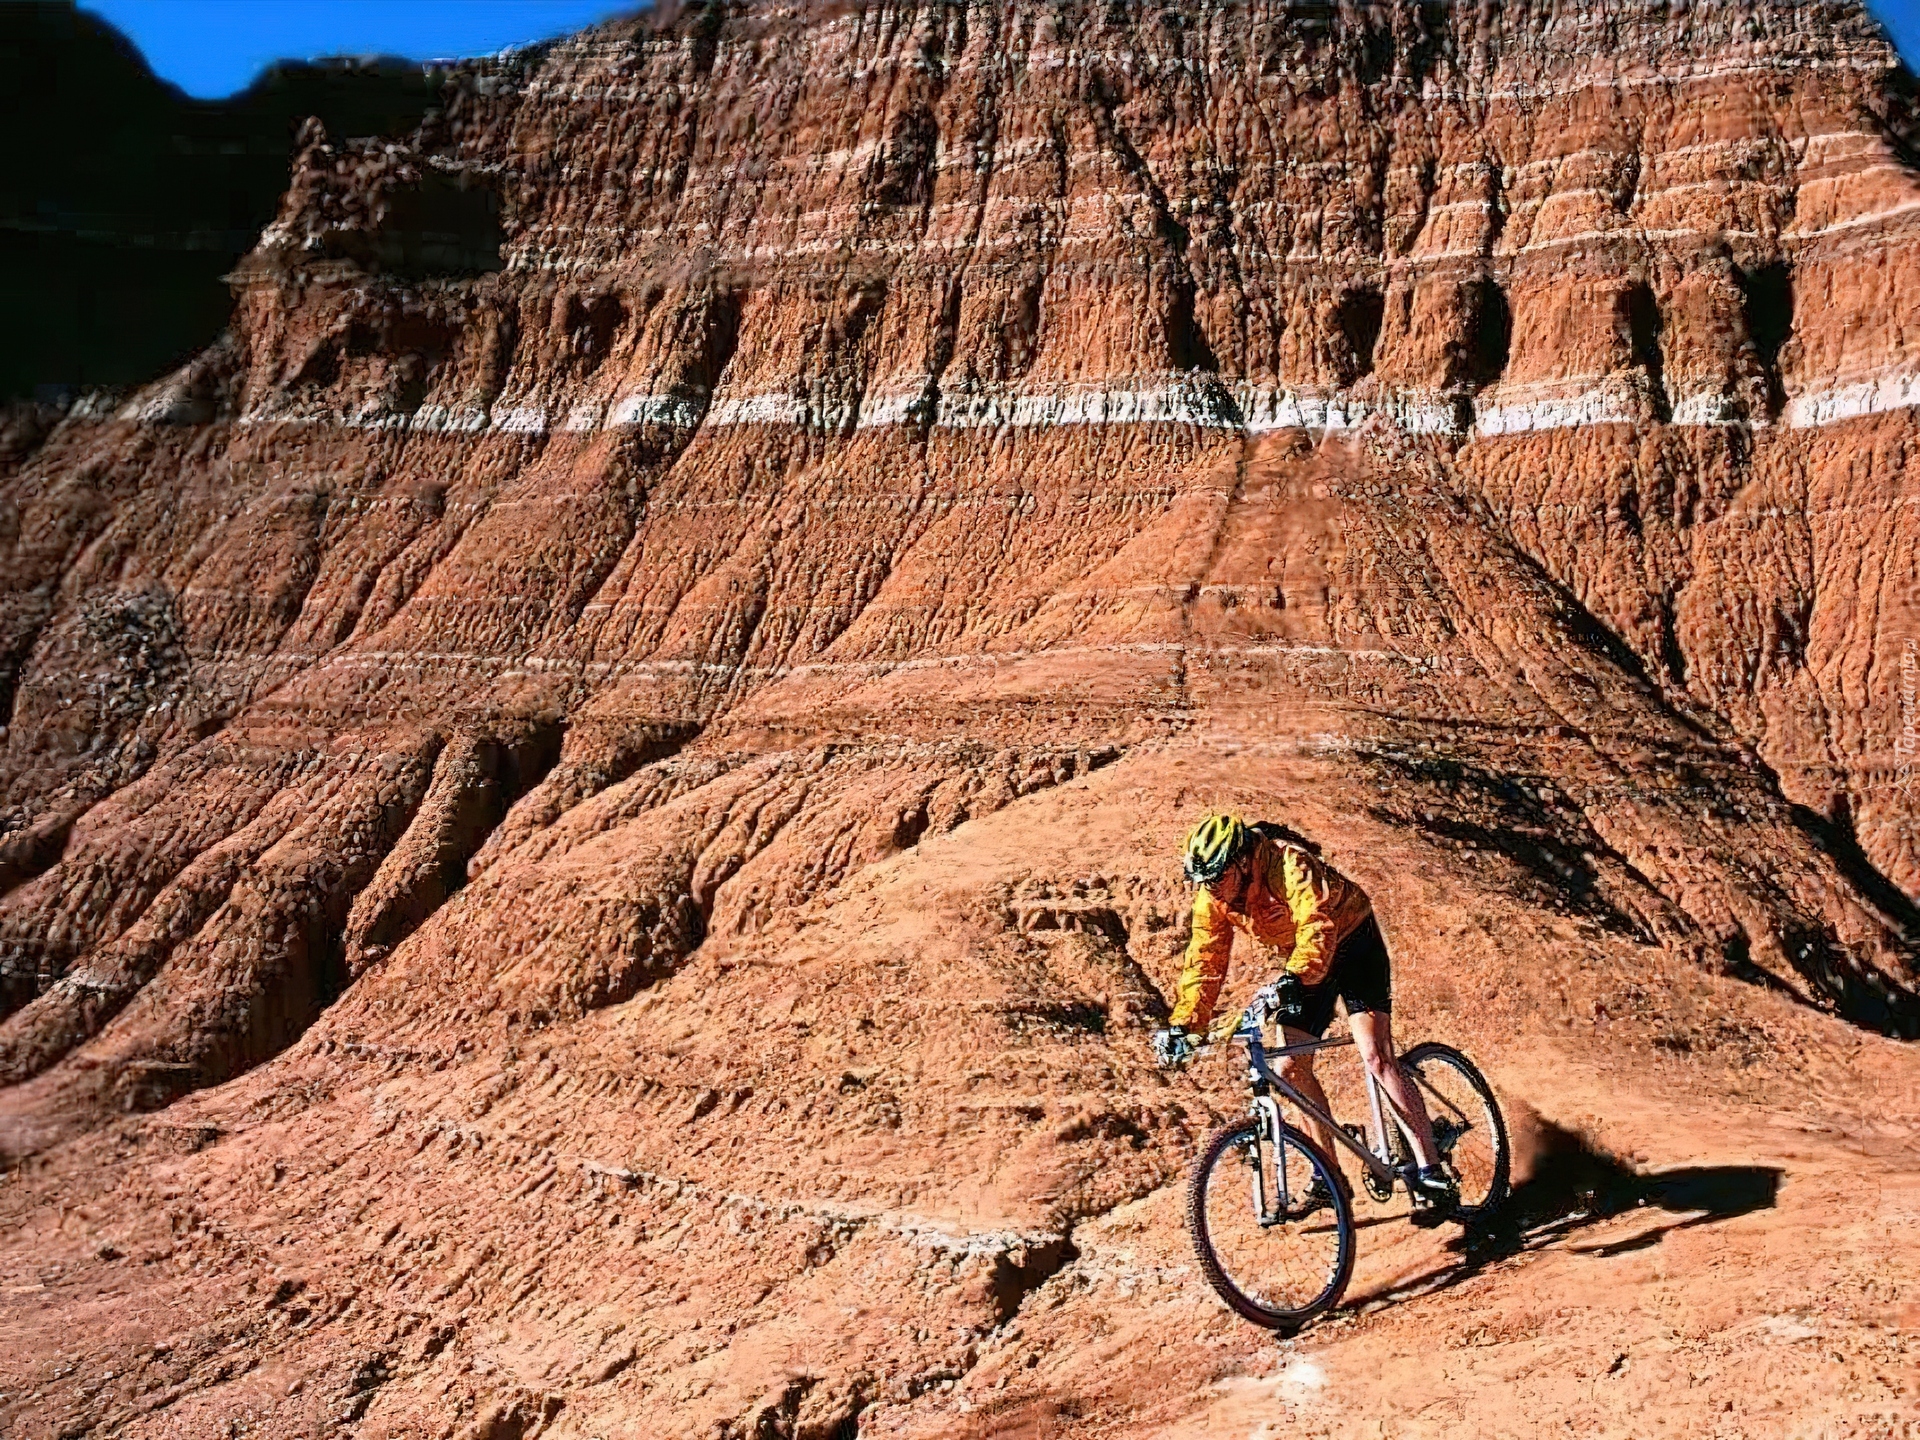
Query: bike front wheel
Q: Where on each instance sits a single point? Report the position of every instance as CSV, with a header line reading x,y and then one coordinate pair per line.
x,y
1273,1259
1468,1128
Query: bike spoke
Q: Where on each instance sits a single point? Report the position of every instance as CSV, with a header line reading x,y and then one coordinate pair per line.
x,y
1427,1086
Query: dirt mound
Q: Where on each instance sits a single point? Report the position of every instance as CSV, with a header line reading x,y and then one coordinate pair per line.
x,y
587,845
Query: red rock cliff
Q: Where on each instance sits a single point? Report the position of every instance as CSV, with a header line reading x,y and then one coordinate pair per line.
x,y
726,560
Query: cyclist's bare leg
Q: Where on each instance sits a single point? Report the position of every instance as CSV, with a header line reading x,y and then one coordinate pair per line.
x,y
1297,1071
1373,1036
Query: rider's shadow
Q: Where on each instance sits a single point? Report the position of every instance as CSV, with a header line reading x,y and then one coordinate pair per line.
x,y
1705,1194
1574,1186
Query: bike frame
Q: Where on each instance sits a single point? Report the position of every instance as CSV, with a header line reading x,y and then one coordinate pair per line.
x,y
1264,1080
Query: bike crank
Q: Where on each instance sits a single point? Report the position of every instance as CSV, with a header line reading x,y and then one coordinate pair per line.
x,y
1381,1190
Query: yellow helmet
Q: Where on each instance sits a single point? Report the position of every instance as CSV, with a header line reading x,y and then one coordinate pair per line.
x,y
1213,845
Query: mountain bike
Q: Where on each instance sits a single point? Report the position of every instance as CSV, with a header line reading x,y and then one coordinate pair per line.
x,y
1280,1260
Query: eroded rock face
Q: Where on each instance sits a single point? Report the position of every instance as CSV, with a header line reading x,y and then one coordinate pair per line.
x,y
695,720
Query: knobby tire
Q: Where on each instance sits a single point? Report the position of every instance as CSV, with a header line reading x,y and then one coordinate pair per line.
x,y
1286,1320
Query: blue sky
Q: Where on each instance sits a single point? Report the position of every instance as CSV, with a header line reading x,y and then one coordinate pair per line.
x,y
211,48
1902,17
214,47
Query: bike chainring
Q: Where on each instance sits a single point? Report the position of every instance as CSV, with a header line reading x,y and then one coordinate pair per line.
x,y
1381,1190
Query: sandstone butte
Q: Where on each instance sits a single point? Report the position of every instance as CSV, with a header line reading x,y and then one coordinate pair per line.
x,y
591,796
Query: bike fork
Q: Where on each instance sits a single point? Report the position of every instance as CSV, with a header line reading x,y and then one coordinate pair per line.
x,y
1267,1111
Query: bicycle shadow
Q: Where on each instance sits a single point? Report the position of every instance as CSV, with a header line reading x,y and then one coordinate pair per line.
x,y
1574,1185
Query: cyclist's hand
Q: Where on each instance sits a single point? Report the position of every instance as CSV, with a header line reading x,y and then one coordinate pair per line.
x,y
1173,1047
1225,1027
1286,1001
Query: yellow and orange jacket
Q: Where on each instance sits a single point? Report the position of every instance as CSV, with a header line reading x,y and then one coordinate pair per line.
x,y
1296,908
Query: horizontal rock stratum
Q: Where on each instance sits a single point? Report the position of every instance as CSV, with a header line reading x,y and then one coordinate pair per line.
x,y
591,796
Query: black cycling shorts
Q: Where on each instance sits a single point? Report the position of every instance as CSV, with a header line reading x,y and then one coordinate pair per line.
x,y
1361,978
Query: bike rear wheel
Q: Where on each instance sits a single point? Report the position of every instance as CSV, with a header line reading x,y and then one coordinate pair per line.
x,y
1467,1126
1280,1274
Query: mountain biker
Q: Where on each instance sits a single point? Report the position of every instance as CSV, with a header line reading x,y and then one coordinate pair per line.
x,y
1271,883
